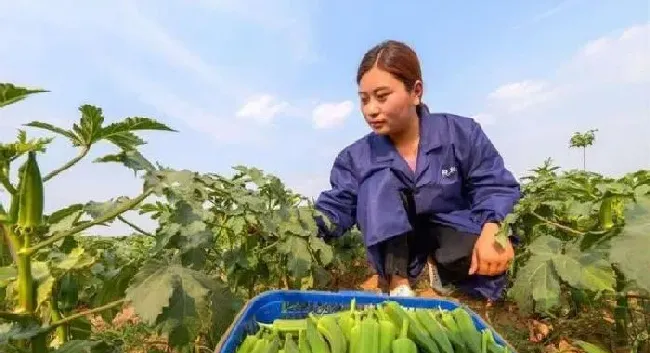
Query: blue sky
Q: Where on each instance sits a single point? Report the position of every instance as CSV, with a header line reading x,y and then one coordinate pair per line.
x,y
271,83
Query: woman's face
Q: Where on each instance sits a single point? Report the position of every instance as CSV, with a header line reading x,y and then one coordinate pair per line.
x,y
386,104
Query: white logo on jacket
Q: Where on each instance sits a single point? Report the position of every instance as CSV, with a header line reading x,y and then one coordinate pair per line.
x,y
446,173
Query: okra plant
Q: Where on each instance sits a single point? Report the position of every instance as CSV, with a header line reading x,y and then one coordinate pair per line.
x,y
43,267
584,240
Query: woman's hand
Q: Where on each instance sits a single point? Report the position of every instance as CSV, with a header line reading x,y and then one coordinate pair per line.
x,y
489,258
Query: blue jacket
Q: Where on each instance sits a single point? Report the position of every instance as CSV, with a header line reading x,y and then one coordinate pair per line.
x,y
460,181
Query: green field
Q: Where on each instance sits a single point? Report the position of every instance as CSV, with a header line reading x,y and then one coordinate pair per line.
x,y
580,280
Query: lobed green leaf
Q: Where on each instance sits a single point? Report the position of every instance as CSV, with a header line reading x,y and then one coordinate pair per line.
x,y
10,93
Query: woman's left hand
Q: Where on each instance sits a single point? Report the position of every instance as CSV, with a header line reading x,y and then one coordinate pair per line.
x,y
489,258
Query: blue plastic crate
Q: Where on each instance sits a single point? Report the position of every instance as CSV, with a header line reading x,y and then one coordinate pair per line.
x,y
290,304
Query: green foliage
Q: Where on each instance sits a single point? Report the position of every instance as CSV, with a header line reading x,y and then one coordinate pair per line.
x,y
51,272
90,130
229,239
583,140
582,234
629,249
10,93
221,240
575,226
252,231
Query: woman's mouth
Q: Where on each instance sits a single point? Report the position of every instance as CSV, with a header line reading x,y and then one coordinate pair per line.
x,y
377,124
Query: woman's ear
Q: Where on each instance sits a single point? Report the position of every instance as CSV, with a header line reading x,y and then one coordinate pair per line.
x,y
418,91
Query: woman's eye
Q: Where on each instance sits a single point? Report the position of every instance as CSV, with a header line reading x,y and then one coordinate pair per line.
x,y
382,97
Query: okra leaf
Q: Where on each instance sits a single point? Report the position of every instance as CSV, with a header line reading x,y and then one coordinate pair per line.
x,y
151,289
131,159
176,299
43,281
126,140
298,256
55,129
114,284
78,258
183,184
291,227
122,133
134,124
90,124
99,209
9,152
629,249
60,215
157,281
10,93
324,251
588,270
537,285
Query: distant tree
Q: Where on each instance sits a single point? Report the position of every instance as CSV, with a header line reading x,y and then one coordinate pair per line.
x,y
583,140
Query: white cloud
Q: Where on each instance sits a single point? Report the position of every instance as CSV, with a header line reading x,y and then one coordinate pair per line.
x,y
330,115
612,59
518,90
517,96
605,85
132,35
262,108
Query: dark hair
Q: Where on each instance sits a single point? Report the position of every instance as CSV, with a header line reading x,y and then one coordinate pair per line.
x,y
394,57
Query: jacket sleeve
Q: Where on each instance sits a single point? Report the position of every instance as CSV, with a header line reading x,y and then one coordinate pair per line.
x,y
492,189
339,203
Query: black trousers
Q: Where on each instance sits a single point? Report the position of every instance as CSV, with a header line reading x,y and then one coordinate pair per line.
x,y
406,255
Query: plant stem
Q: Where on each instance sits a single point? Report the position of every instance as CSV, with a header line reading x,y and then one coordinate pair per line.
x,y
26,300
558,225
81,227
82,153
62,332
134,226
25,280
13,316
39,344
81,314
4,177
7,184
620,312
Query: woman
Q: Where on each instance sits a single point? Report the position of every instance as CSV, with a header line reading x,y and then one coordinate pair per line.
x,y
420,184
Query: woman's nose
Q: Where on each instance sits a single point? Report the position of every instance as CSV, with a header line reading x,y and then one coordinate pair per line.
x,y
372,109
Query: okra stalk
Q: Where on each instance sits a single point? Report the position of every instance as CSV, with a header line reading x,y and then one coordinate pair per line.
x,y
62,331
25,284
29,219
